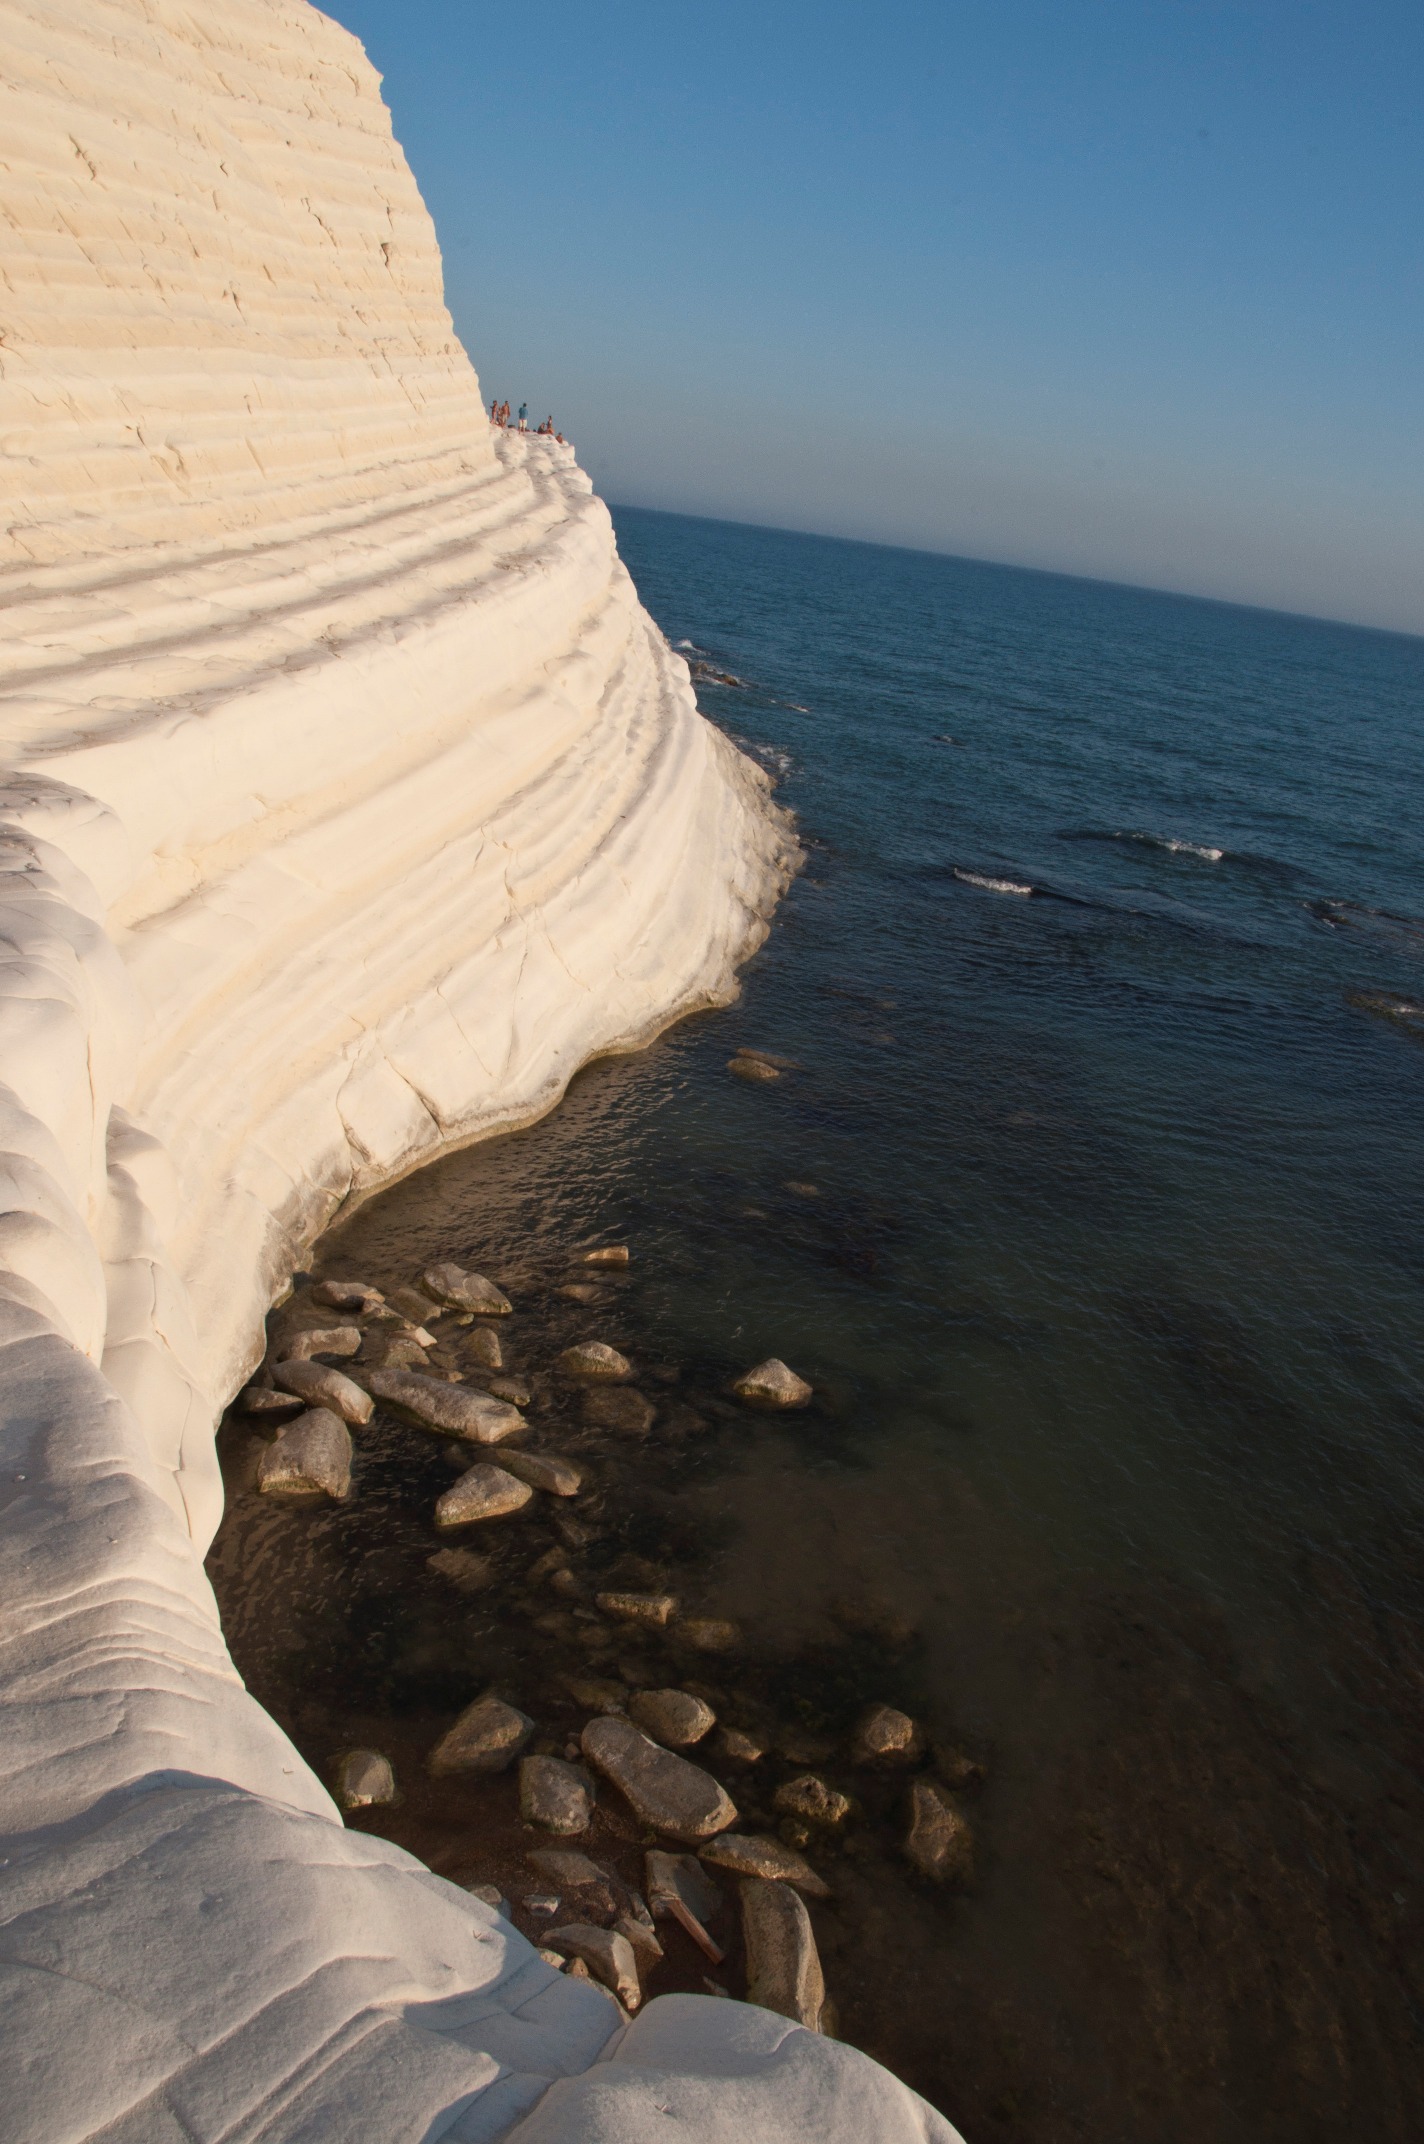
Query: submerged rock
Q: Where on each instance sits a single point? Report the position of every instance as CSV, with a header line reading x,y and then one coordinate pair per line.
x,y
458,1410
363,1778
482,1346
747,1066
665,1791
322,1340
771,1384
595,1694
595,1361
766,1858
606,1953
568,1868
812,1800
556,1796
740,1747
939,1841
671,1717
655,1608
486,1492
619,1408
513,1389
783,1966
449,1283
487,1737
466,1570
885,1736
544,1470
321,1386
348,1295
311,1458
709,1634
582,1291
261,1399
954,1768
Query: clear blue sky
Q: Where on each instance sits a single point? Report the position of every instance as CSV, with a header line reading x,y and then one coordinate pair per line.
x,y
1131,288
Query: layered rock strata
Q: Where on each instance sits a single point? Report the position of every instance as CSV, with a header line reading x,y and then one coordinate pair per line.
x,y
350,801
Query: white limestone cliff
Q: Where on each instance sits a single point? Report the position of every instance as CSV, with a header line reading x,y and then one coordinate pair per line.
x,y
350,802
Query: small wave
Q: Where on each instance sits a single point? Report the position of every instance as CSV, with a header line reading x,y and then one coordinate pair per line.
x,y
991,885
1172,844
945,738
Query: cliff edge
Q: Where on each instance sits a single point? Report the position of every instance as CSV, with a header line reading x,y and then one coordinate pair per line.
x,y
350,802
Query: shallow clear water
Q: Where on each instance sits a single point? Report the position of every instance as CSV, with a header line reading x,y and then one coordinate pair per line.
x,y
1094,1214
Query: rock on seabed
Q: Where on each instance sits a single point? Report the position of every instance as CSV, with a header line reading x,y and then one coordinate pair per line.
x,y
485,1492
666,1792
771,1384
456,1410
451,1284
487,1737
311,1458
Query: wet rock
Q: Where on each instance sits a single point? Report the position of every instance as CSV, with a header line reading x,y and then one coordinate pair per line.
x,y
322,1340
311,1458
640,1936
395,1351
449,1283
567,1584
544,1470
574,1533
487,1737
363,1778
321,1386
812,1800
458,1410
482,1347
467,1571
581,1291
665,1791
747,1066
566,1867
954,1768
885,1736
348,1295
771,1384
262,1400
513,1389
607,1954
611,1254
595,1693
490,1894
939,1842
783,1966
556,1796
619,1408
671,1717
595,1361
486,1492
709,1634
766,1859
737,1746
675,1880
410,1304
655,1608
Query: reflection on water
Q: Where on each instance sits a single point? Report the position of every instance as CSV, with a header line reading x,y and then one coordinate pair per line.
x,y
1095,1220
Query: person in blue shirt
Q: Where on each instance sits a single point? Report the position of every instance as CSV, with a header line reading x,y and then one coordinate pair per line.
x,y
524,416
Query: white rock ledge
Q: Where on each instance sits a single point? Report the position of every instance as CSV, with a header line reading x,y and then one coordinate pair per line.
x,y
350,802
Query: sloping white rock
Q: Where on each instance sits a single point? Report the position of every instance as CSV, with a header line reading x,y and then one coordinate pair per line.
x,y
350,802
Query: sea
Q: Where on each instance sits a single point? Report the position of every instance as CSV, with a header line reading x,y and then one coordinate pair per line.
x,y
1089,1197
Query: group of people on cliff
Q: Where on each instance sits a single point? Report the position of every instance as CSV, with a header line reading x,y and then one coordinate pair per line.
x,y
499,417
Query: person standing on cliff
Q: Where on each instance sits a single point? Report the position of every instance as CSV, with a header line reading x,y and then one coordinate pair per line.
x,y
524,416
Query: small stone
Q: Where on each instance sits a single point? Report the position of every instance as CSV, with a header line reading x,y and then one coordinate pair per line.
x,y
619,1408
664,1791
321,1386
581,1291
513,1389
606,1953
611,1254
566,1867
466,1571
595,1694
486,1492
483,1348
954,1768
885,1736
363,1778
348,1295
489,1894
551,1957
457,1410
567,1584
449,1283
745,1066
767,1858
571,1531
595,1361
939,1842
261,1399
640,1936
556,1796
324,1340
544,1470
671,1717
812,1800
410,1304
783,1966
709,1634
311,1458
487,1737
739,1747
541,1902
655,1608
771,1384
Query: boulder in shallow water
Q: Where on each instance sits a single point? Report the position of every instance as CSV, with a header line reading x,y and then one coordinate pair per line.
x,y
709,1634
311,1458
322,1340
611,1254
364,1778
582,1291
449,1283
939,1841
771,1384
812,1800
487,1737
486,1492
482,1347
467,1571
619,1408
348,1295
664,1791
655,1608
885,1736
544,1470
743,1855
673,1717
783,1965
514,1389
262,1400
746,1065
556,1796
596,1362
457,1410
606,1953
321,1386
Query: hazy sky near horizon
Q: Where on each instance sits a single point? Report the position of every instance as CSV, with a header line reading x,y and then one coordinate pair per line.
x,y
1129,288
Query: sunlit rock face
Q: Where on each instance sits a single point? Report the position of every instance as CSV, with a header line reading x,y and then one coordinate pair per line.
x,y
350,802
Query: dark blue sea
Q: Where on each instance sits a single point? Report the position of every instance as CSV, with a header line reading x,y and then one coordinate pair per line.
x,y
1091,1200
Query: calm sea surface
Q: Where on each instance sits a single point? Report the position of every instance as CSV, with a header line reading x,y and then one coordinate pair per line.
x,y
1092,1202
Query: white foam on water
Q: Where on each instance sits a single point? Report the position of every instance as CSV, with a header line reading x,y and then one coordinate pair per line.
x,y
991,885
